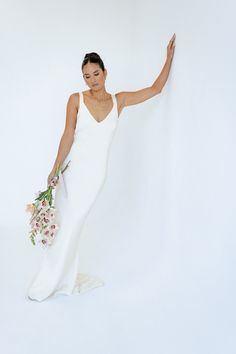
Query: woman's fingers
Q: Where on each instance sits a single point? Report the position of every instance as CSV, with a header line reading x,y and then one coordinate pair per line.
x,y
171,46
172,39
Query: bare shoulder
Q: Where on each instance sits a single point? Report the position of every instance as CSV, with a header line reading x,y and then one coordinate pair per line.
x,y
119,97
71,113
74,98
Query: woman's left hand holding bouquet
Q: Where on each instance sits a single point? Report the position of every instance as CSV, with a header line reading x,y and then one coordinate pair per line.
x,y
43,213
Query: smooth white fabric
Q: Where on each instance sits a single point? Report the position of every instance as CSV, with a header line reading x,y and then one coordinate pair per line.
x,y
75,194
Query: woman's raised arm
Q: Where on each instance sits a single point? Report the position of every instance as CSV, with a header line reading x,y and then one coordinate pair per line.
x,y
128,98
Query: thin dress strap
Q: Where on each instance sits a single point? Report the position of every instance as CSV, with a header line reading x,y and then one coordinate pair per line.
x,y
115,103
81,101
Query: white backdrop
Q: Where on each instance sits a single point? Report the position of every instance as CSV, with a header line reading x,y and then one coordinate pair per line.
x,y
162,232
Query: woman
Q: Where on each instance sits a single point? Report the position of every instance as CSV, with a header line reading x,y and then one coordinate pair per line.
x,y
91,121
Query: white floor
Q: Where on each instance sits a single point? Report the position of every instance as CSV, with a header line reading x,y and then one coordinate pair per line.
x,y
166,309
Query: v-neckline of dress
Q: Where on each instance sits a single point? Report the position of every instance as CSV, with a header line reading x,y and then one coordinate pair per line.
x,y
96,121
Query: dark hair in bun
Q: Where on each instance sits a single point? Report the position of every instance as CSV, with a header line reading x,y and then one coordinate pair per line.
x,y
93,58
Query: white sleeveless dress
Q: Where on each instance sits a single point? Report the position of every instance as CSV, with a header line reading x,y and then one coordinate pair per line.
x,y
75,194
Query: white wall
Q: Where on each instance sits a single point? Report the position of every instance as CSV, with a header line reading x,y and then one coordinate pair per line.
x,y
164,226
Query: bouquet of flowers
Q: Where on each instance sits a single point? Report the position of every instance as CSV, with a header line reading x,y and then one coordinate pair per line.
x,y
43,214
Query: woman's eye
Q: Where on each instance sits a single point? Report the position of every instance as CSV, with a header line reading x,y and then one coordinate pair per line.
x,y
88,77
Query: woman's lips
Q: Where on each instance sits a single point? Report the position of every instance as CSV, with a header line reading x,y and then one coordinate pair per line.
x,y
95,84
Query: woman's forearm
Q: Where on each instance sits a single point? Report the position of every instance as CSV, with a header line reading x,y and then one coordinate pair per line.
x,y
64,148
159,83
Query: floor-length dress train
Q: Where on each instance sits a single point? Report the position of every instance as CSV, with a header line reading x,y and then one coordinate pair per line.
x,y
75,194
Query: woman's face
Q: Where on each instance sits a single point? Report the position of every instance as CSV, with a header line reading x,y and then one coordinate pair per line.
x,y
94,76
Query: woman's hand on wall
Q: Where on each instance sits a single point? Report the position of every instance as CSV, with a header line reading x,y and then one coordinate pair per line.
x,y
171,47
